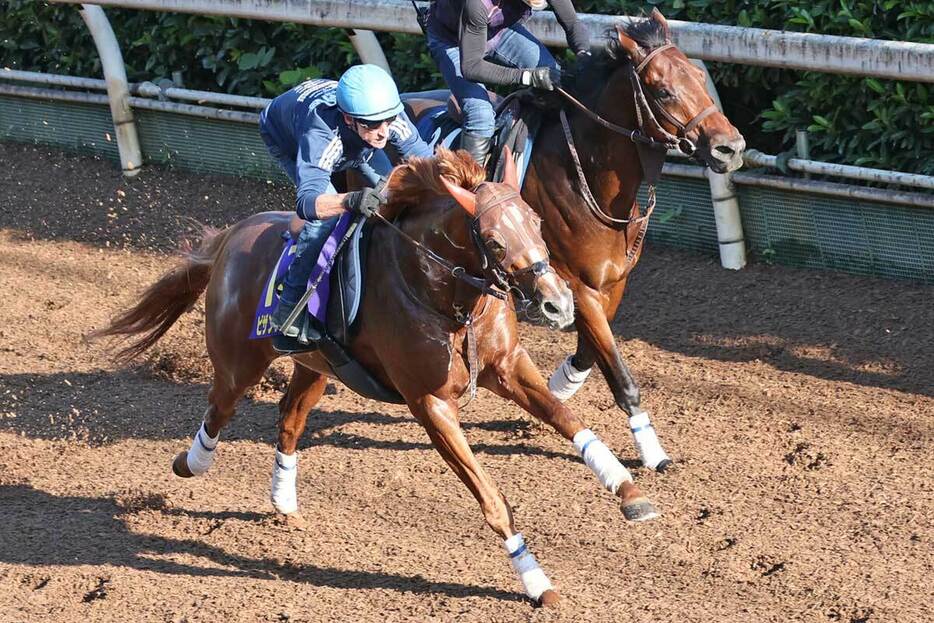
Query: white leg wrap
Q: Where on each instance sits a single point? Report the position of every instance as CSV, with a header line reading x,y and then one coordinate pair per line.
x,y
566,380
534,580
650,451
601,460
284,472
201,454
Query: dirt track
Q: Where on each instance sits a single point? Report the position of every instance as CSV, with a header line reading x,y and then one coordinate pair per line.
x,y
798,405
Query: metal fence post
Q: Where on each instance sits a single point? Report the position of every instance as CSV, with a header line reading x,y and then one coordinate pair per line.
x,y
118,91
368,47
725,203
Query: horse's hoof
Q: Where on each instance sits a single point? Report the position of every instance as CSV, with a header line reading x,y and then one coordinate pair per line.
x,y
549,599
639,509
663,466
295,520
180,465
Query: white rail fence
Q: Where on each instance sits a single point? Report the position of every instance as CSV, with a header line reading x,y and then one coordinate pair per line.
x,y
749,46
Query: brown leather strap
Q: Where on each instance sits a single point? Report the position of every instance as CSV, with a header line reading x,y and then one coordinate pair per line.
x,y
585,187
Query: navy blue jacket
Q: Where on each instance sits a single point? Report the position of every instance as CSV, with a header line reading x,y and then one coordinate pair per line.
x,y
306,126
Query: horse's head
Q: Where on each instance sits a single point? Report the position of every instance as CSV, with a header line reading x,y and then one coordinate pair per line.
x,y
508,236
673,90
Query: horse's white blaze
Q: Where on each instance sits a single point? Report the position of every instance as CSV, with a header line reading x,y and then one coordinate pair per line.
x,y
601,460
533,578
566,380
284,474
650,450
511,218
201,454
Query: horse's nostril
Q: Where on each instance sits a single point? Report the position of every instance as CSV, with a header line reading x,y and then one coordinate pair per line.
x,y
726,150
550,309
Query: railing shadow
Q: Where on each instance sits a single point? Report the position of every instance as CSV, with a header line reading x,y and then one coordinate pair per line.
x,y
42,529
98,409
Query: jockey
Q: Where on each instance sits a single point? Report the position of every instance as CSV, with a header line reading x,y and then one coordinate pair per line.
x,y
322,126
464,36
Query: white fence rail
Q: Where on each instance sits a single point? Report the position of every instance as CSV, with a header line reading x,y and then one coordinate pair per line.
x,y
748,46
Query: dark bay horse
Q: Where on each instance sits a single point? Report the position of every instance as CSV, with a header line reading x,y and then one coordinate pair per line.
x,y
412,334
591,219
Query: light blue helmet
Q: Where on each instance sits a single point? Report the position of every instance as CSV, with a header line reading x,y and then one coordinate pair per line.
x,y
368,92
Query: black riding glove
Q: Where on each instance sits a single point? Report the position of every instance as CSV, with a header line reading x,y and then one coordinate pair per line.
x,y
546,78
364,202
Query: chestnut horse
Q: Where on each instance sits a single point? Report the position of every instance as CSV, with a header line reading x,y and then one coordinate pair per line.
x,y
583,177
423,332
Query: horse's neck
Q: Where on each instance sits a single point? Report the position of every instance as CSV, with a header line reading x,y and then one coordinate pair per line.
x,y
610,161
447,234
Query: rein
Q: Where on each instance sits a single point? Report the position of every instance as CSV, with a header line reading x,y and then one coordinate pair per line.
x,y
465,319
458,272
644,115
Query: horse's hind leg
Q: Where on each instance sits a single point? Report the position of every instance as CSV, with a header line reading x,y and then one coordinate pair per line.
x,y
304,392
516,378
596,342
439,418
231,380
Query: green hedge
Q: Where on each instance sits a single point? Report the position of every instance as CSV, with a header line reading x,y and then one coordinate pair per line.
x,y
871,122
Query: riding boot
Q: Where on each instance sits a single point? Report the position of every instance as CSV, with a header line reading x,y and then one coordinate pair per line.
x,y
307,248
477,146
288,299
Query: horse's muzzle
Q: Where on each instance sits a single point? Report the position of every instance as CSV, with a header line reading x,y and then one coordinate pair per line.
x,y
553,303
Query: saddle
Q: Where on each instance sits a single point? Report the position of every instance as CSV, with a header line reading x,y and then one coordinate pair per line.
x,y
440,118
346,282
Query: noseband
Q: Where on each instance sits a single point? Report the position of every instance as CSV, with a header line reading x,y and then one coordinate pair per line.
x,y
515,281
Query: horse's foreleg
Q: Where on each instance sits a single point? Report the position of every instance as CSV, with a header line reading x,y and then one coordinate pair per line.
x,y
440,421
516,378
571,373
304,392
596,342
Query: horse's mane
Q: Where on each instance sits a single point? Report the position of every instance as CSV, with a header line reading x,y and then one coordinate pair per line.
x,y
416,182
589,75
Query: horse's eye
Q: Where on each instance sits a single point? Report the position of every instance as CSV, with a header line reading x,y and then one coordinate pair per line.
x,y
664,94
496,249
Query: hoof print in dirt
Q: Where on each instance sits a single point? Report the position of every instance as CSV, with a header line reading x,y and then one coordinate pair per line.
x,y
766,567
99,592
804,456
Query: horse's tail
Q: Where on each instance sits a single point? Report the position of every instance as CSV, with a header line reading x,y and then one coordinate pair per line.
x,y
164,302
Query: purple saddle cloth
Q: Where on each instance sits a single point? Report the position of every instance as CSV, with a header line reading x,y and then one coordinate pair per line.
x,y
318,302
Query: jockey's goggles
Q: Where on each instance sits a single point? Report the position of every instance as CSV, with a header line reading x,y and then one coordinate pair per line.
x,y
373,125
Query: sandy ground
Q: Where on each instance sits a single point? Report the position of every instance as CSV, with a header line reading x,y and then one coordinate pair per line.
x,y
798,405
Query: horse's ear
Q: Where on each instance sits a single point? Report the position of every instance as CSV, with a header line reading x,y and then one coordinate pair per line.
x,y
462,196
510,177
628,45
659,19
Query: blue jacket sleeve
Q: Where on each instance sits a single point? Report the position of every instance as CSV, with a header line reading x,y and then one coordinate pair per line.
x,y
318,151
406,139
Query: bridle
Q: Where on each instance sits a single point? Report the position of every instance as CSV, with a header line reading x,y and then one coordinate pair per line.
x,y
645,114
497,281
516,282
645,134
